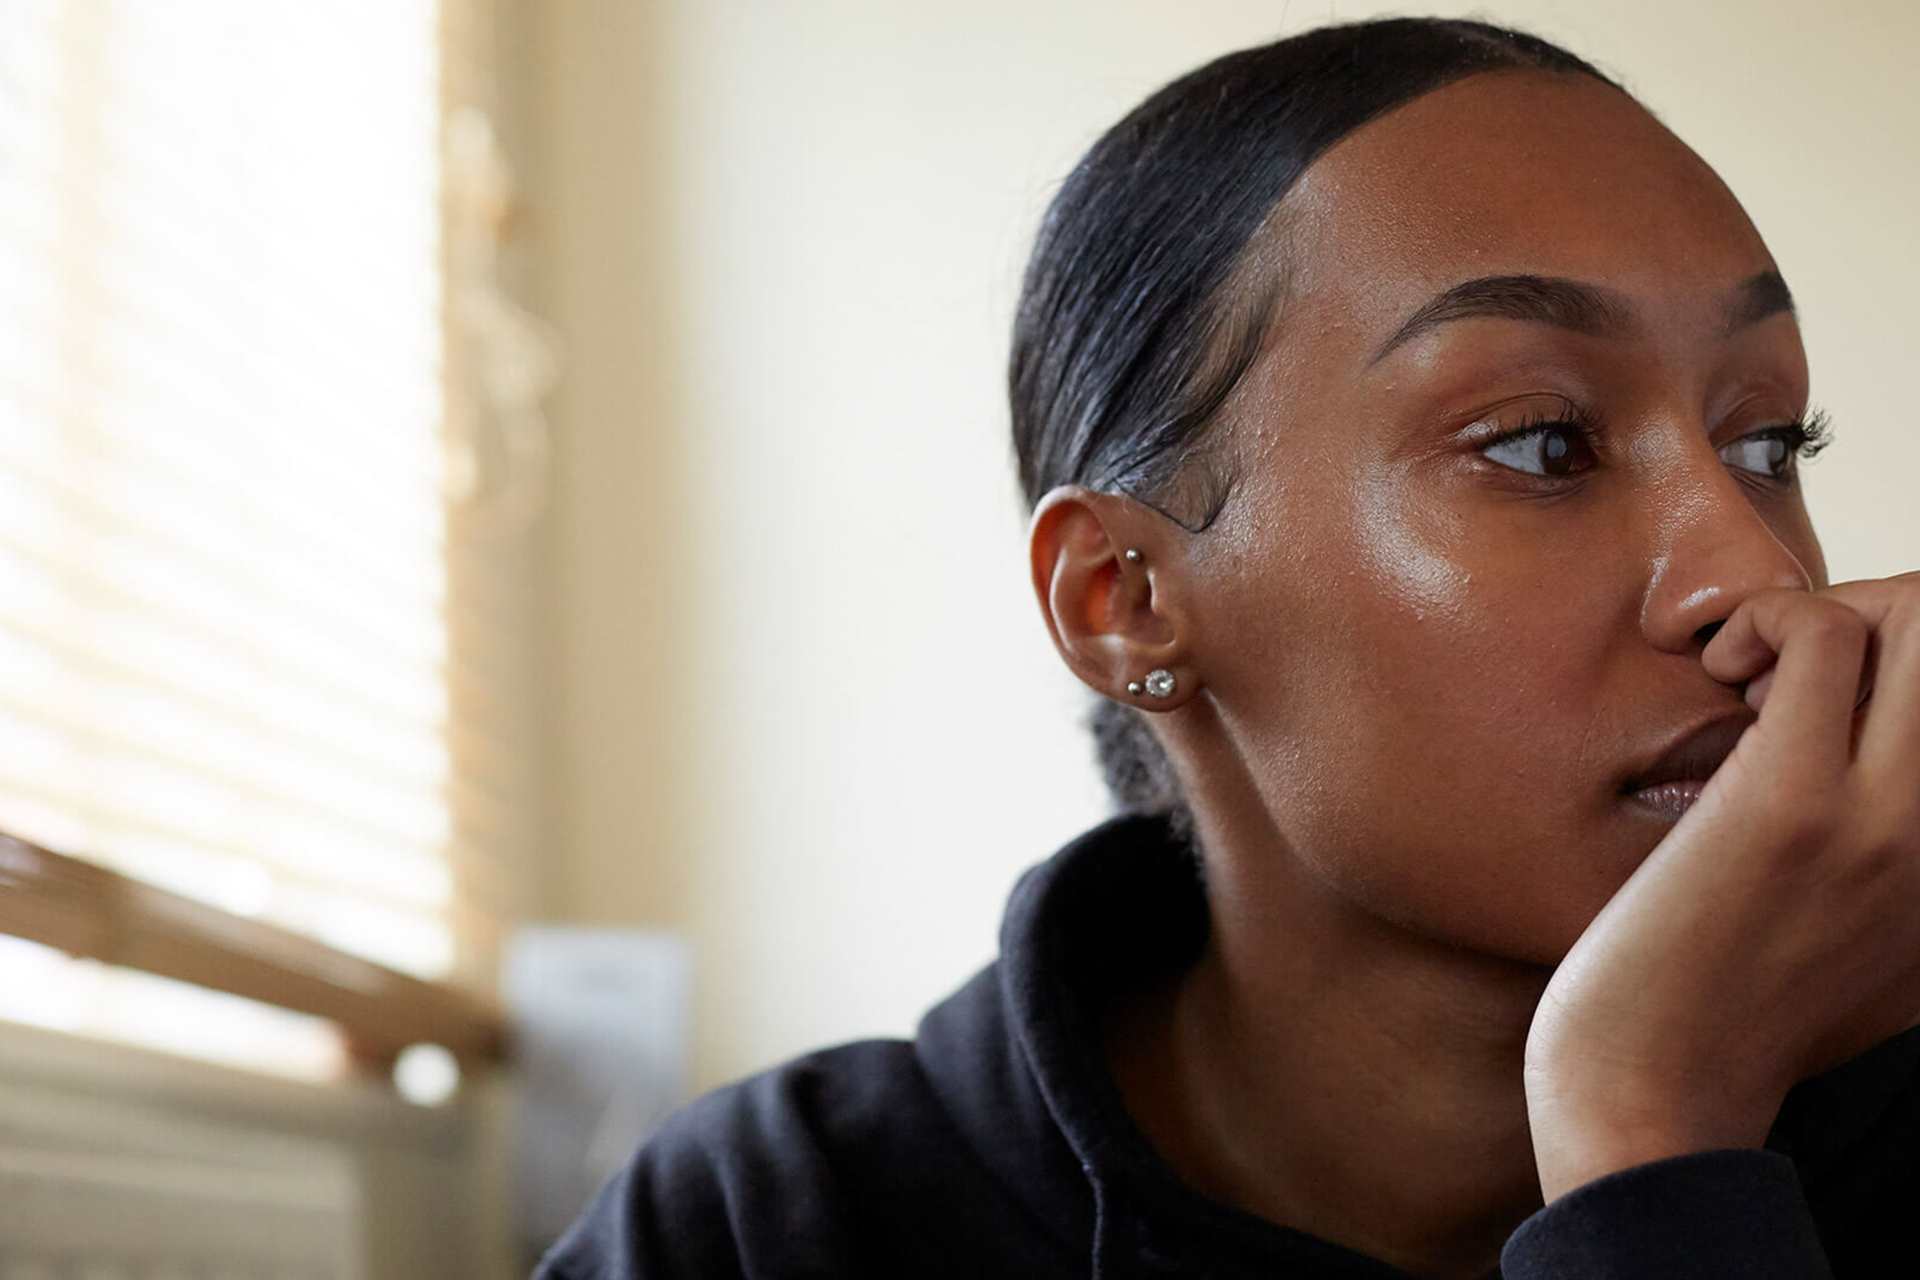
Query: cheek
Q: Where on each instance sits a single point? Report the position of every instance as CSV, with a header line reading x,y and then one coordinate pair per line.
x,y
1481,605
1454,793
1416,563
1473,709
1460,613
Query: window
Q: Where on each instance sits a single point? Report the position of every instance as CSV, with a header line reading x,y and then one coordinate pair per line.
x,y
226,592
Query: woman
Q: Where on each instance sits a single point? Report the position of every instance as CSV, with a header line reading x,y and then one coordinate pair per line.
x,y
1411,425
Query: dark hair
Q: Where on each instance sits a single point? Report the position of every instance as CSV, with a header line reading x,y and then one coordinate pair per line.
x,y
1132,329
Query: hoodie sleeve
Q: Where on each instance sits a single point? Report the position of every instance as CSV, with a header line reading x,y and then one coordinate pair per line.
x,y
1731,1212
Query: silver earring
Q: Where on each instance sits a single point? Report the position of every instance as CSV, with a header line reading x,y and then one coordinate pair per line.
x,y
1133,554
1159,682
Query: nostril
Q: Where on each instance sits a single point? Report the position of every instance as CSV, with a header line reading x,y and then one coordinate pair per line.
x,y
1705,634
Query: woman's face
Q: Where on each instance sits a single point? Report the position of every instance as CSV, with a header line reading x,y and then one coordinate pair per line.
x,y
1440,660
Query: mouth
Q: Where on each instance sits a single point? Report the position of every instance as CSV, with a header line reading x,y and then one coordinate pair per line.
x,y
1668,800
1670,783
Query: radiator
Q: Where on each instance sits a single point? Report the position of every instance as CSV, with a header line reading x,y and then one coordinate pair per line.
x,y
96,1190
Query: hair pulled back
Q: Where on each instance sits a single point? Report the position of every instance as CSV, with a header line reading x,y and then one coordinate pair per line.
x,y
1129,335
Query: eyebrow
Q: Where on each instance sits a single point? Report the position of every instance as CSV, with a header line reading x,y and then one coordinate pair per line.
x,y
1575,305
1756,299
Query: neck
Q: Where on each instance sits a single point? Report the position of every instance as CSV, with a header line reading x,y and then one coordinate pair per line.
x,y
1331,1072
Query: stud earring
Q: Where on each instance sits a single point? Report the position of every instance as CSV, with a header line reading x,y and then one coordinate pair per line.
x,y
1159,683
1133,554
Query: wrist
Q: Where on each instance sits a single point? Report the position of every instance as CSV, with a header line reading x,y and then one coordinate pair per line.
x,y
1586,1130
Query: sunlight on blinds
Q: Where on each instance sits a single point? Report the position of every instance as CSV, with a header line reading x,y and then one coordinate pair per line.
x,y
223,584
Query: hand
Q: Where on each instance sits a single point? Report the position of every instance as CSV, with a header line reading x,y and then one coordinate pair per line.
x,y
1775,932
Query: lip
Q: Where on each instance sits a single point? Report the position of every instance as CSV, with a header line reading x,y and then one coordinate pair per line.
x,y
1692,755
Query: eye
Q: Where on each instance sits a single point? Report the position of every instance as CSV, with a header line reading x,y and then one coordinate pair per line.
x,y
1554,449
1771,453
1766,453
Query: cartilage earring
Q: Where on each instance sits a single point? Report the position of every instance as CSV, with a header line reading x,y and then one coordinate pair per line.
x,y
1133,554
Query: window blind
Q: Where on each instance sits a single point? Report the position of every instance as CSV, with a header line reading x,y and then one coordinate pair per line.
x,y
225,601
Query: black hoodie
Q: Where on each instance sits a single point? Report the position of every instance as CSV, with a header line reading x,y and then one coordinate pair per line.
x,y
995,1144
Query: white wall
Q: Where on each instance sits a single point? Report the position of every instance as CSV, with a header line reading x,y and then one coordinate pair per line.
x,y
803,705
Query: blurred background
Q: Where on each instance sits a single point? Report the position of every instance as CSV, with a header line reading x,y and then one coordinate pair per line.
x,y
513,602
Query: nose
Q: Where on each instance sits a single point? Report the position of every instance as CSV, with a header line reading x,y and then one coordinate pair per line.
x,y
1714,547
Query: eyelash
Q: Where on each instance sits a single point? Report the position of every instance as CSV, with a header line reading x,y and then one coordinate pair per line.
x,y
1805,438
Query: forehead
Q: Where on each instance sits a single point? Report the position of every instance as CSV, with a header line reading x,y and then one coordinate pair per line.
x,y
1511,172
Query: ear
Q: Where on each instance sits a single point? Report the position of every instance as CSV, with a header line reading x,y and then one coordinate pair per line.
x,y
1113,620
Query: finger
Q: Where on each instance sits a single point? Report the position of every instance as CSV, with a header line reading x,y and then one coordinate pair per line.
x,y
1890,738
1821,645
1872,599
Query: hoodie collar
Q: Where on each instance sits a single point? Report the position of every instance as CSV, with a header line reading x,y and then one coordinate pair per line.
x,y
1017,1058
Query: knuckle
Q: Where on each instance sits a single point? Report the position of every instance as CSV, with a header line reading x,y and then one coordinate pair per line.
x,y
1803,816
1833,623
1890,838
1902,834
1884,821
